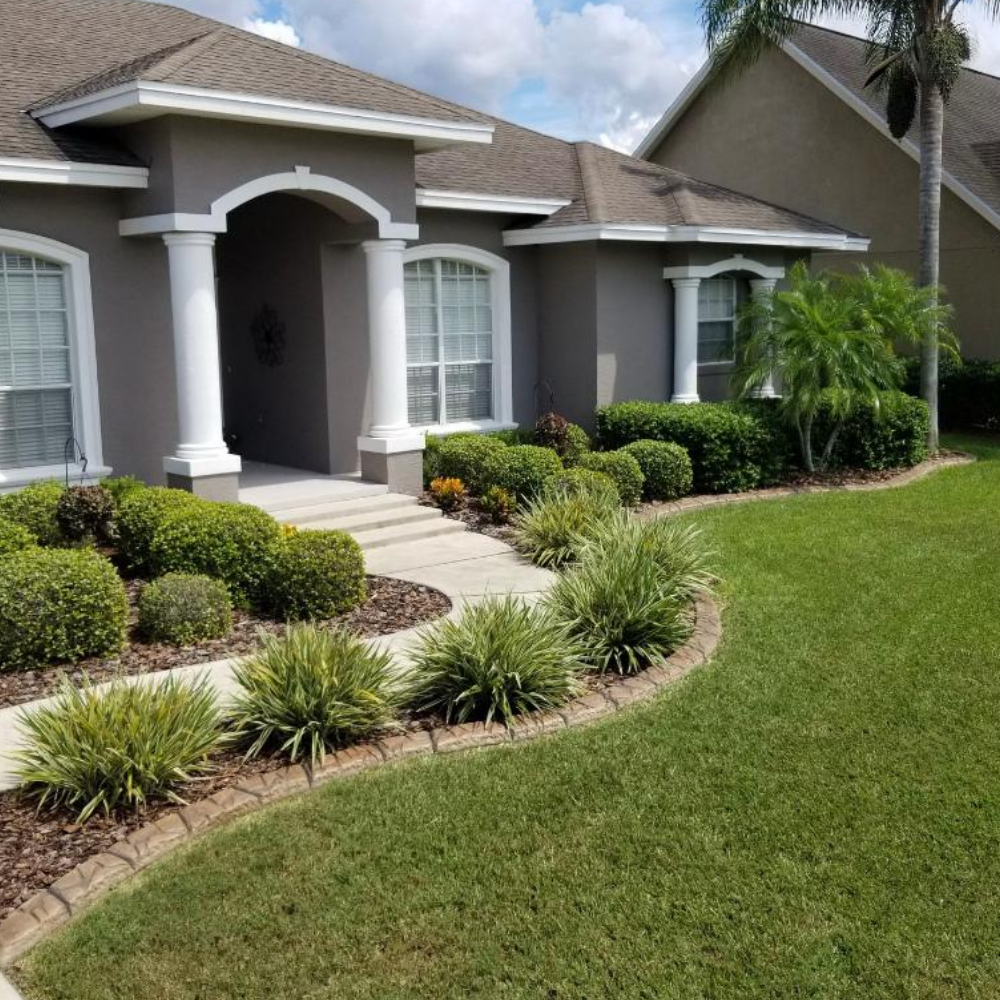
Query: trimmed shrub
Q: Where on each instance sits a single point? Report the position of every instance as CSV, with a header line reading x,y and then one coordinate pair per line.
x,y
447,493
501,659
181,609
968,392
317,574
551,527
14,538
119,747
232,542
311,690
891,436
550,432
622,469
511,436
577,445
35,508
141,512
121,487
666,469
586,482
498,504
731,446
59,606
86,513
465,457
621,603
521,470
432,458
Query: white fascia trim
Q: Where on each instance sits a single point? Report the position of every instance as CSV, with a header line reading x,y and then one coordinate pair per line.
x,y
474,202
873,118
141,99
683,234
680,104
80,174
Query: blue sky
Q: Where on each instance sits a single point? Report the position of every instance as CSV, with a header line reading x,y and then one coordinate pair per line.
x,y
581,69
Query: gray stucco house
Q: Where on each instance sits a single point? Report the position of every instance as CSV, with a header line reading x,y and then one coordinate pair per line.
x,y
810,134
214,247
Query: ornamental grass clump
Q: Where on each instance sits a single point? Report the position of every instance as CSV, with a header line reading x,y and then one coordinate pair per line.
x,y
628,599
117,747
311,690
501,659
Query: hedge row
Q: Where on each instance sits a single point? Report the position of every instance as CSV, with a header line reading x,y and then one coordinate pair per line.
x,y
968,393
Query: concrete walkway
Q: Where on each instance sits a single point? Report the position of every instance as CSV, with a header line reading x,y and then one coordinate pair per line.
x,y
464,566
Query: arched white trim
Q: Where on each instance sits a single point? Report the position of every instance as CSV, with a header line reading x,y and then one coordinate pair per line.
x,y
735,263
83,354
299,179
499,268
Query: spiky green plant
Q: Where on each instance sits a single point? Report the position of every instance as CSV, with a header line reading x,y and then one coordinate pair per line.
x,y
311,690
101,749
549,529
501,659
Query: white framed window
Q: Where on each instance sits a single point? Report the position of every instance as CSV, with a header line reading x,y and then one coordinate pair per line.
x,y
457,338
48,386
717,320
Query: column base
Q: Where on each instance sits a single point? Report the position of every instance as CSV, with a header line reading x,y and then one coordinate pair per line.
x,y
685,398
397,462
224,487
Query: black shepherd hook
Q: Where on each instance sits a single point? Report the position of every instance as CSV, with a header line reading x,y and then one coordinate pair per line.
x,y
73,455
552,397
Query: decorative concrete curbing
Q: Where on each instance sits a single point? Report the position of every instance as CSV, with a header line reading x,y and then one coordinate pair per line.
x,y
706,501
80,888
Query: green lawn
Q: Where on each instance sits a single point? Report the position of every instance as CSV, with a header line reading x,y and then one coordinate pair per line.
x,y
816,814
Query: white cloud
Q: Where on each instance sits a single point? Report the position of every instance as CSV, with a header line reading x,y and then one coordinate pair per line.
x,y
616,70
277,31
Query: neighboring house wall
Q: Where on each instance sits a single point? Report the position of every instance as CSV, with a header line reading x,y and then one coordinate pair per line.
x,y
131,298
778,134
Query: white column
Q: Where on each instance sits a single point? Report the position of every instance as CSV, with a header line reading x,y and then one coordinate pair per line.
x,y
685,340
201,450
389,431
761,289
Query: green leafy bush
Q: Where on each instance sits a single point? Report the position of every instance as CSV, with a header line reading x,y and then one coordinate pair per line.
x,y
513,435
141,512
588,482
317,574
310,690
498,504
621,601
14,538
666,469
501,659
550,528
122,486
968,392
521,470
117,747
432,458
235,543
35,508
86,513
465,457
621,468
731,447
180,609
59,606
893,435
576,446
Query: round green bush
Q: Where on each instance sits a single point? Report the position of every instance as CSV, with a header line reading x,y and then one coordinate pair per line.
x,y
666,469
317,574
35,508
59,606
232,542
86,513
576,445
181,608
521,470
14,538
465,457
588,482
622,469
140,514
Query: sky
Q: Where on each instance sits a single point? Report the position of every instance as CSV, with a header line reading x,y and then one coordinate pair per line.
x,y
578,69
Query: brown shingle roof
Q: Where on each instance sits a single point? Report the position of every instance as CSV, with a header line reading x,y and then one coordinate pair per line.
x,y
972,116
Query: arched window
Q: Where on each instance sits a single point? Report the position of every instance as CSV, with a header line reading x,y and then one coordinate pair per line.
x,y
48,400
457,338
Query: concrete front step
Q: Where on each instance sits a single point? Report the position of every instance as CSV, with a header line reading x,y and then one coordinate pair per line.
x,y
379,538
386,505
292,499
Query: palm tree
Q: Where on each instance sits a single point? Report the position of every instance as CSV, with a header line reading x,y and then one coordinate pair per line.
x,y
916,49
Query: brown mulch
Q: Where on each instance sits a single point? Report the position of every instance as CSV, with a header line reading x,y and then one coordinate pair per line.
x,y
474,519
392,605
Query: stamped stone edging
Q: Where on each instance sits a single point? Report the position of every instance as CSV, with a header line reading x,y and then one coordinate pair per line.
x,y
87,882
706,501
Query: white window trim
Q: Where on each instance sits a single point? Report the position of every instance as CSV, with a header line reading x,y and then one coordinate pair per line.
x,y
83,358
499,270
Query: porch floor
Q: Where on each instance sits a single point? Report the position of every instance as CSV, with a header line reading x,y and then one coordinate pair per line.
x,y
275,486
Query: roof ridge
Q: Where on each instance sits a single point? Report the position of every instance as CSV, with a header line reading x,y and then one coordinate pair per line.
x,y
183,54
590,178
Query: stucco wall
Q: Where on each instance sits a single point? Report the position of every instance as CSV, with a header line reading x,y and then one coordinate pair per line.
x,y
131,296
778,134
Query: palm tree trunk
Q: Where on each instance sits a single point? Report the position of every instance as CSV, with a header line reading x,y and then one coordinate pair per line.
x,y
931,141
828,450
805,441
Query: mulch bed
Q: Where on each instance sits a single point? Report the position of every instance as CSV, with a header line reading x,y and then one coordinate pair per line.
x,y
474,519
392,605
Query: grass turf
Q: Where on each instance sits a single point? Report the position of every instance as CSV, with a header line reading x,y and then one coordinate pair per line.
x,y
816,814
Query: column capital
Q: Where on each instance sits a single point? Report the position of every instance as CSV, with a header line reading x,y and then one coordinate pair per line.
x,y
383,246
189,239
685,282
763,285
